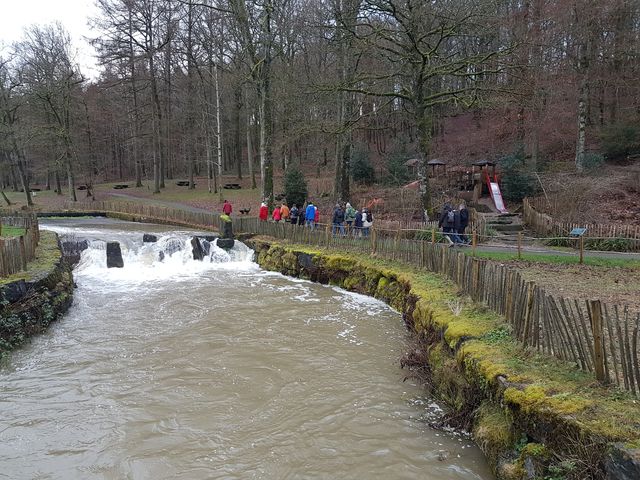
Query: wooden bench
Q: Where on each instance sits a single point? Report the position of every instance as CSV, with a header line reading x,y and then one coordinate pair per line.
x,y
183,183
232,186
120,186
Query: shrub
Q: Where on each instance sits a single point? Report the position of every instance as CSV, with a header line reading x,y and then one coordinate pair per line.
x,y
517,181
398,173
361,169
620,140
295,187
592,161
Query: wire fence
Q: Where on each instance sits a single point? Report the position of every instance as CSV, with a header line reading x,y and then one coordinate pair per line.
x,y
17,251
597,337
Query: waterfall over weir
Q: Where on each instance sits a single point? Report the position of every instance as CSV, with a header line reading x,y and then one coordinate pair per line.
x,y
172,254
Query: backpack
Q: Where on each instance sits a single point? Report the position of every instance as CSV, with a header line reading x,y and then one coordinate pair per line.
x,y
451,216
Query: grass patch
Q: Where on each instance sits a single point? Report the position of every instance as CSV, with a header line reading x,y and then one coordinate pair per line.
x,y
559,259
8,231
47,255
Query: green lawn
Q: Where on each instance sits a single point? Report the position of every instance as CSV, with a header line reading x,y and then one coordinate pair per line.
x,y
560,259
8,231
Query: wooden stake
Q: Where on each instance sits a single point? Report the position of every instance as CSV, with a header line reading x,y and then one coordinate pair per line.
x,y
433,236
596,325
474,242
519,245
581,250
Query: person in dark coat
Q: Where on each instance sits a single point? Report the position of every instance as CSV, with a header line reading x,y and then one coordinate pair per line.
x,y
357,224
338,220
293,214
448,223
464,223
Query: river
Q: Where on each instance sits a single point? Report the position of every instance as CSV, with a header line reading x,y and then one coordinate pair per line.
x,y
179,369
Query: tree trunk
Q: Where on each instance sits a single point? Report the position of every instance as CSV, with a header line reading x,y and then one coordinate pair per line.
x,y
237,147
24,179
582,122
218,128
252,173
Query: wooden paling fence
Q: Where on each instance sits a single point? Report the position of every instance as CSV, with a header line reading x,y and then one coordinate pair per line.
x,y
546,226
15,252
598,338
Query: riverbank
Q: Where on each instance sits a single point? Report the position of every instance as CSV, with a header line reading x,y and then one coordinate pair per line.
x,y
31,300
534,417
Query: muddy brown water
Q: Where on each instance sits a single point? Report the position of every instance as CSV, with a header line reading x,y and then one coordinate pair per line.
x,y
216,370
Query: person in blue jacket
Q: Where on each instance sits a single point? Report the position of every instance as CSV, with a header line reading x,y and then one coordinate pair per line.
x,y
310,215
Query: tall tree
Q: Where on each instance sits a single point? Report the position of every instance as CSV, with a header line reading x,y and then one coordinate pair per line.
x,y
52,80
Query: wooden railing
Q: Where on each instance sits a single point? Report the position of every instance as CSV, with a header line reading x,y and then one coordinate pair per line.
x,y
620,237
16,252
597,337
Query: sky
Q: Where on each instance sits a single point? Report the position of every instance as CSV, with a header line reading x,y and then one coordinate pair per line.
x,y
15,15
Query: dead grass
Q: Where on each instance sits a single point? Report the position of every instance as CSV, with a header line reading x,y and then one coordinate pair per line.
x,y
612,285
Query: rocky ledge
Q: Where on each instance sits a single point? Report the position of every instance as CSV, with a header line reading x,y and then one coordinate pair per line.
x,y
31,300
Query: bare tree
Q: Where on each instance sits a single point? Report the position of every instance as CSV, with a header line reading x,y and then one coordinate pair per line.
x,y
51,79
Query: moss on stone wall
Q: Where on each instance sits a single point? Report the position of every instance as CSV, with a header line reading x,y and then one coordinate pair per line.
x,y
47,288
533,416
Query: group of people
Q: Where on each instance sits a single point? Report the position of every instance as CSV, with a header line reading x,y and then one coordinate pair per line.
x,y
349,220
346,219
454,222
358,222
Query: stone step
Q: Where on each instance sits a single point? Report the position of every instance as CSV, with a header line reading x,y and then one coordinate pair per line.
x,y
506,228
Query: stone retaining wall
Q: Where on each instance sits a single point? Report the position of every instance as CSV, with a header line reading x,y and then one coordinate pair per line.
x,y
28,306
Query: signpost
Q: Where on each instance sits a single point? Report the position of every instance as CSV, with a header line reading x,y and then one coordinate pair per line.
x,y
579,234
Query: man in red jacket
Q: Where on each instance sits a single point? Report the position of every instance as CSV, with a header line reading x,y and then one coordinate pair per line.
x,y
227,208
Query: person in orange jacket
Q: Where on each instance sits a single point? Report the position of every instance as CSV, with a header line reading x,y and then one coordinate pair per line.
x,y
284,212
264,212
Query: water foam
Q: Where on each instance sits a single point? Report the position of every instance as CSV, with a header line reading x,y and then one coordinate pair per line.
x,y
171,257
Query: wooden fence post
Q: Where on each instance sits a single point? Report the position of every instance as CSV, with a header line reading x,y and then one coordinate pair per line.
x,y
374,239
595,309
519,245
474,242
23,252
581,249
433,236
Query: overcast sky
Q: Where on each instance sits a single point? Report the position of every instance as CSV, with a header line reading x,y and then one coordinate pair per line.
x,y
15,15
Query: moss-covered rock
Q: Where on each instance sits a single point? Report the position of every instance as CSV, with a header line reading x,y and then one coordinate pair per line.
x,y
49,295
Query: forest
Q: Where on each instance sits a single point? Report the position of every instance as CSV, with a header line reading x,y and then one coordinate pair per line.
x,y
255,88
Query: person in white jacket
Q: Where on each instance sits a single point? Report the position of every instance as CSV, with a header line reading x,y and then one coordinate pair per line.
x,y
367,221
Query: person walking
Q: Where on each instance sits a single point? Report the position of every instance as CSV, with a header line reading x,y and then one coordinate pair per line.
x,y
338,220
357,224
349,216
448,224
367,222
277,214
316,217
285,212
227,208
264,212
293,214
310,215
464,223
